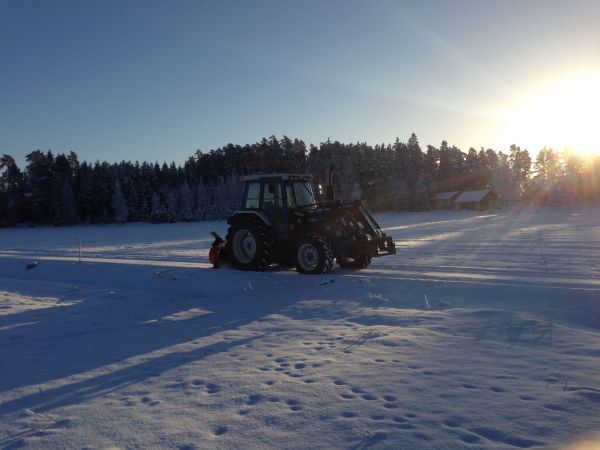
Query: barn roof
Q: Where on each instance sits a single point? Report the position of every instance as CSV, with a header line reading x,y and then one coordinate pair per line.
x,y
445,195
472,196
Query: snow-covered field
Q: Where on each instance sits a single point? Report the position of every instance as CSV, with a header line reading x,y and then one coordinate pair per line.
x,y
482,332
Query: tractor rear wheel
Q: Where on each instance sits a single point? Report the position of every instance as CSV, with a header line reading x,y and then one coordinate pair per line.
x,y
314,254
250,245
360,262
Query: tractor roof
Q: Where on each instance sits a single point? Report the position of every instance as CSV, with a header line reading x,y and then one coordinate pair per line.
x,y
281,176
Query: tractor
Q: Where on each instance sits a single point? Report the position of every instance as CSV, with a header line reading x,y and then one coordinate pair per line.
x,y
280,222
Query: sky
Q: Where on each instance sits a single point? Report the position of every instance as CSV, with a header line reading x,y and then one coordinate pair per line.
x,y
156,80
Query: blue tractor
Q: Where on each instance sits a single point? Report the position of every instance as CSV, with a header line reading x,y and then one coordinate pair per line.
x,y
280,222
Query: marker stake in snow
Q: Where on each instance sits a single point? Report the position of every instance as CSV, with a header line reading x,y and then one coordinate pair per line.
x,y
79,248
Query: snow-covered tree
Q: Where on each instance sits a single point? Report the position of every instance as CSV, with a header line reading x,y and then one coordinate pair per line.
x,y
186,210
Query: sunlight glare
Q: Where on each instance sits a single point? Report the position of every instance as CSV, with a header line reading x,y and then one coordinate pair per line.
x,y
565,115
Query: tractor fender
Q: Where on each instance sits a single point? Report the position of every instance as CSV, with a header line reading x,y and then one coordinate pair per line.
x,y
245,215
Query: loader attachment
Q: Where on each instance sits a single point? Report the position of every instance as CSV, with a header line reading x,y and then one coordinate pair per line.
x,y
378,243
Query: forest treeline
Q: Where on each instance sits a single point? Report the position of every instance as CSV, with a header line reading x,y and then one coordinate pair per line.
x,y
61,190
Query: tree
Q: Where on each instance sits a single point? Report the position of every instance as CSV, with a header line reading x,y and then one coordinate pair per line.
x,y
520,166
63,206
118,204
158,213
39,177
186,210
13,207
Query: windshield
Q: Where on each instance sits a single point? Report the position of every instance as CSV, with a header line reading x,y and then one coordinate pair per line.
x,y
299,194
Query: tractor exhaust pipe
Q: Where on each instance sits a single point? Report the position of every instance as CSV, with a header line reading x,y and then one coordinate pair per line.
x,y
330,193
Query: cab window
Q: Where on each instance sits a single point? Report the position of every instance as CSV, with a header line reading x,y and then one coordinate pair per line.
x,y
253,195
271,197
304,195
291,199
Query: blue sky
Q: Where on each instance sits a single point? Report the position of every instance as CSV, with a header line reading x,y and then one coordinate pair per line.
x,y
156,80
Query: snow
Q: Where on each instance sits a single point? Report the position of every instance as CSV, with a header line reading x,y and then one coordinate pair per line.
x,y
482,332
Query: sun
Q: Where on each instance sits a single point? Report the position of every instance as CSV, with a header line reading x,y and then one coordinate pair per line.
x,y
565,115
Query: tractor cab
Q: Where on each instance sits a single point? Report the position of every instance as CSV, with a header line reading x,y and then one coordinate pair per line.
x,y
276,197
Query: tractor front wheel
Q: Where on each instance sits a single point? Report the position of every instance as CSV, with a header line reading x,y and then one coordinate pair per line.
x,y
250,245
314,255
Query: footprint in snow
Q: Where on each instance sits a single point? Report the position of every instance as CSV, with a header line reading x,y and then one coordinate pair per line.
x,y
294,405
468,438
405,426
219,431
149,401
254,399
452,423
212,388
377,417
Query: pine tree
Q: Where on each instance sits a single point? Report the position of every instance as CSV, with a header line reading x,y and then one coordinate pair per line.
x,y
39,177
158,212
63,208
118,204
171,206
201,202
13,206
520,166
186,211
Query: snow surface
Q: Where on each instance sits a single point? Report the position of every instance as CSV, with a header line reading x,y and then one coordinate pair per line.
x,y
482,332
